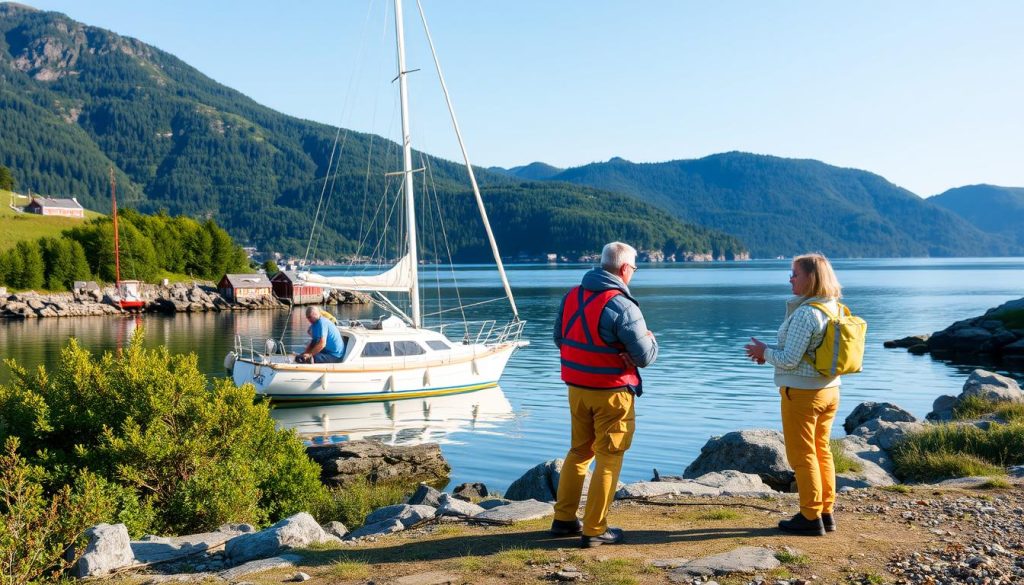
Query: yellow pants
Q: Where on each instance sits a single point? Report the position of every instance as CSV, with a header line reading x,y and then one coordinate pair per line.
x,y
807,417
603,422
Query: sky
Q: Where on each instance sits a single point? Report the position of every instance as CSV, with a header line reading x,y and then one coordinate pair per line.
x,y
929,95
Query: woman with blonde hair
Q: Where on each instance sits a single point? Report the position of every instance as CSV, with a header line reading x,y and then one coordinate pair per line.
x,y
809,399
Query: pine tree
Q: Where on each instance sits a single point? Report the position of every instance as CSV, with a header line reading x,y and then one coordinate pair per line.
x,y
33,269
6,179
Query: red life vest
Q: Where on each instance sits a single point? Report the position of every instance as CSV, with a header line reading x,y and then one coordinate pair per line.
x,y
587,360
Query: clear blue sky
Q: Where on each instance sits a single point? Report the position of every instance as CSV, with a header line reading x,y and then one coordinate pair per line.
x,y
928,94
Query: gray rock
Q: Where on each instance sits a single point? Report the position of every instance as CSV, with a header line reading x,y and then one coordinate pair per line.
x,y
470,491
668,563
519,511
336,529
157,549
885,434
876,467
425,496
867,411
405,513
379,529
375,461
494,503
746,559
300,577
993,387
1015,471
257,566
758,451
297,531
942,408
109,549
907,342
724,483
451,506
538,483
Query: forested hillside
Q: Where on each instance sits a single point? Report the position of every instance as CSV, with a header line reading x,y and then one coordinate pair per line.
x,y
992,209
780,206
78,99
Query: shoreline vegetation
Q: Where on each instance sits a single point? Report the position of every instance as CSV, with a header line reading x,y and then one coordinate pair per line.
x,y
139,441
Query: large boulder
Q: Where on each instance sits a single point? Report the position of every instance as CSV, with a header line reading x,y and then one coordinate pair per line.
x,y
876,469
540,482
724,483
866,411
109,549
518,511
389,526
758,451
407,514
886,435
992,387
426,496
344,462
297,531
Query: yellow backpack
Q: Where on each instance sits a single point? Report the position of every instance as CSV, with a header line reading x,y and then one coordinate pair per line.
x,y
842,349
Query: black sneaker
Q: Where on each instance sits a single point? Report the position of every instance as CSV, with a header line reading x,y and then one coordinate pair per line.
x,y
610,536
800,525
566,527
829,521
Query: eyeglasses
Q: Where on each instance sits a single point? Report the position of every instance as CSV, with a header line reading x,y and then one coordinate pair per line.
x,y
793,275
633,266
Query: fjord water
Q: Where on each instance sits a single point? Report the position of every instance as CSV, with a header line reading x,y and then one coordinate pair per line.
x,y
700,386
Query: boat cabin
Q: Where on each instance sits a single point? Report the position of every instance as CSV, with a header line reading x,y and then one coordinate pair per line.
x,y
288,286
237,287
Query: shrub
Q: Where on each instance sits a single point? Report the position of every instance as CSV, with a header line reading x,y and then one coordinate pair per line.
x,y
841,460
958,450
351,504
173,452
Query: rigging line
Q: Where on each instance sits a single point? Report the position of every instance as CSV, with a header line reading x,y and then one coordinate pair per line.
x,y
494,300
376,213
433,231
330,193
444,235
313,232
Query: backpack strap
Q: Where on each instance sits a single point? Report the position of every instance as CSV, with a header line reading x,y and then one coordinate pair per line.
x,y
821,307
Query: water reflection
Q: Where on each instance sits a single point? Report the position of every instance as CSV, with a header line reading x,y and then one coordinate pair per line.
x,y
399,422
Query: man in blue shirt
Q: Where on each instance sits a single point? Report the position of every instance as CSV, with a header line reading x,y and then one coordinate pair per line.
x,y
326,345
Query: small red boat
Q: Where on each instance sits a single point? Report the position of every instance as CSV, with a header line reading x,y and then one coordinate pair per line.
x,y
129,292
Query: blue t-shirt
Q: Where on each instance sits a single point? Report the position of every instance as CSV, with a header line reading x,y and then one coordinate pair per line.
x,y
335,345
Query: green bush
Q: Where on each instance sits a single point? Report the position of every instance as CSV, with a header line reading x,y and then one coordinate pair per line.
x,y
173,452
351,504
959,450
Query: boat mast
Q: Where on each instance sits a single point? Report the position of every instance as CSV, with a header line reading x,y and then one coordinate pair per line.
x,y
469,167
410,208
117,247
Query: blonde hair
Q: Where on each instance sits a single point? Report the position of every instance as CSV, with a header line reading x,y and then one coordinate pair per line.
x,y
823,278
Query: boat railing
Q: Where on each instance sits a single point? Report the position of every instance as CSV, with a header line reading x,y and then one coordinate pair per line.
x,y
483,332
245,347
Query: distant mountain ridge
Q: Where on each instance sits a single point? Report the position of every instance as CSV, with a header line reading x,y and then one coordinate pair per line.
x,y
781,206
77,99
990,208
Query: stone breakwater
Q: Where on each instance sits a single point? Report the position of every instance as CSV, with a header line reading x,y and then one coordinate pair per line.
x,y
995,337
196,297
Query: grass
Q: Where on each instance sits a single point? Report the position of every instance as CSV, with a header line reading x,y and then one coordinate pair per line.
x,y
841,460
719,514
346,568
617,571
959,450
352,503
17,226
787,557
996,483
898,488
975,407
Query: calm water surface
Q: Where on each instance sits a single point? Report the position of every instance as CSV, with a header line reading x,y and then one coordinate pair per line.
x,y
700,386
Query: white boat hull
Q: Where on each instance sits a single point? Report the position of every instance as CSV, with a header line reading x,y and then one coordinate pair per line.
x,y
475,367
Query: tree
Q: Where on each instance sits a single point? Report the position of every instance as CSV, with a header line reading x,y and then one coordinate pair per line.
x,y
6,179
33,269
270,267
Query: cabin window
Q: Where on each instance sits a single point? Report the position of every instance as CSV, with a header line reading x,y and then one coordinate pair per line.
x,y
408,348
438,345
377,349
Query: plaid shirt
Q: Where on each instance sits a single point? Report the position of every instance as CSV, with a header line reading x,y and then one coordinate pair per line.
x,y
799,335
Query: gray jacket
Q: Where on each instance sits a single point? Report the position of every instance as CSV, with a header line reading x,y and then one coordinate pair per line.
x,y
621,321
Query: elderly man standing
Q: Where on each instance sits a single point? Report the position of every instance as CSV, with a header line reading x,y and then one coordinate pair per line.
x,y
326,346
603,338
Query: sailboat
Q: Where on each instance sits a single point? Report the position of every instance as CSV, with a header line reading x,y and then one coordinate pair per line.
x,y
128,292
395,356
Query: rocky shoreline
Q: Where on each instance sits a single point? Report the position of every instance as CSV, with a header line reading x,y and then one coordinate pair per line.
x,y
976,539
196,297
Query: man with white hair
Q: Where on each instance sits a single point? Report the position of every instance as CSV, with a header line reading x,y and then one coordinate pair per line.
x,y
326,345
603,338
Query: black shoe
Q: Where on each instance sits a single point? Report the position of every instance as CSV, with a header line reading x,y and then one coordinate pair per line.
x,y
610,536
800,525
829,521
566,527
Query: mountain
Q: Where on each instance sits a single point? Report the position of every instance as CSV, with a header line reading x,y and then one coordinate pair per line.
x,y
780,207
992,209
536,171
76,100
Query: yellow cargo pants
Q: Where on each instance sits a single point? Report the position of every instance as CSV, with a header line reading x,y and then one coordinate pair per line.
x,y
603,422
807,417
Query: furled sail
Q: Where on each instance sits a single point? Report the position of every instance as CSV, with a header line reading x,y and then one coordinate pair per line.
x,y
396,279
